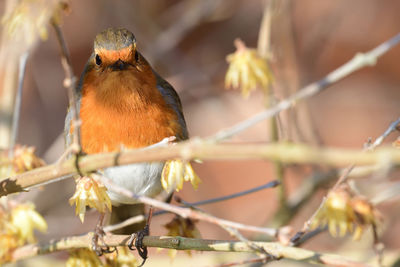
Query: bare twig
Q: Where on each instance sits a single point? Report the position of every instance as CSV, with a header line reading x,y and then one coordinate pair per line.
x,y
343,177
70,84
264,34
308,223
308,187
235,195
369,147
181,243
235,233
359,61
307,236
18,98
195,149
186,212
251,244
262,259
392,127
130,221
170,37
141,218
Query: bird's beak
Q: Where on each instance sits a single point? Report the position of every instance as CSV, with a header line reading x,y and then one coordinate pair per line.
x,y
119,65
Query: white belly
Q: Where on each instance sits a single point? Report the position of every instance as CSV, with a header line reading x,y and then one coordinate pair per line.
x,y
140,178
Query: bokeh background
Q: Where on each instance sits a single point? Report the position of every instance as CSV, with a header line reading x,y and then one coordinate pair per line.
x,y
187,43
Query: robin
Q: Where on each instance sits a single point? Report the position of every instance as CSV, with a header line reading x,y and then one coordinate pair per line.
x,y
124,103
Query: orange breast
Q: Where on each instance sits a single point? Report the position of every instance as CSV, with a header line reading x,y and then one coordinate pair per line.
x,y
123,109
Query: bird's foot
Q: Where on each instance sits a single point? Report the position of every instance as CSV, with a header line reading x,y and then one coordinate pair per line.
x,y
136,241
102,248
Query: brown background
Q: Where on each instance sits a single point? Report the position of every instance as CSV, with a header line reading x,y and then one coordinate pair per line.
x,y
187,42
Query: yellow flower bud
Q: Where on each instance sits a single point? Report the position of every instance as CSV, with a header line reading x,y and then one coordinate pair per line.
x,y
25,220
175,172
247,69
92,193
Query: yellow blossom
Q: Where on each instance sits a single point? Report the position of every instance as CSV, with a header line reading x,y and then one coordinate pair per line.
x,y
26,20
24,159
17,225
347,212
25,220
92,193
123,257
184,227
365,214
175,172
83,257
8,242
247,69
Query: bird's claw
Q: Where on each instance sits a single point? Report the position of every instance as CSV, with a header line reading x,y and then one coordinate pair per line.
x,y
103,248
136,242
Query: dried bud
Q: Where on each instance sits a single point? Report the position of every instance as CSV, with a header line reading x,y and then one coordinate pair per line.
x,y
184,227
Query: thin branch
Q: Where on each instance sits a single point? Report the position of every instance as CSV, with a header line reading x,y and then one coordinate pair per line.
x,y
251,244
181,243
235,233
359,61
235,195
369,147
392,127
170,37
195,149
307,189
343,177
141,218
18,98
264,34
262,259
307,224
186,212
130,221
69,83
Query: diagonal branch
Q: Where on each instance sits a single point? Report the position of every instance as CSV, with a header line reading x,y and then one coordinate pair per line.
x,y
345,173
378,141
359,61
187,212
140,218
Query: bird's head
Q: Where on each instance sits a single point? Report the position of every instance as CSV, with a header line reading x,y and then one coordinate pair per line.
x,y
115,50
116,72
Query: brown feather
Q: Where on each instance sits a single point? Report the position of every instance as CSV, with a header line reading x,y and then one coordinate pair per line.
x,y
124,108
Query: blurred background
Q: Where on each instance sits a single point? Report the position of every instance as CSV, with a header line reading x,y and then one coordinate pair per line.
x,y
187,43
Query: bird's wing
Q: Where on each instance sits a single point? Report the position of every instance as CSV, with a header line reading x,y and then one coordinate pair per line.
x,y
78,92
172,98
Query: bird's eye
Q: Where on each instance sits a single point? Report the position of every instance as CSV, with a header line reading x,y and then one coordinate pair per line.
x,y
136,56
98,60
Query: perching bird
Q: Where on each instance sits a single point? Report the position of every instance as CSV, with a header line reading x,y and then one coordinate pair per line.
x,y
124,103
